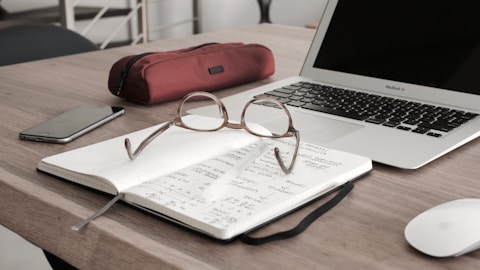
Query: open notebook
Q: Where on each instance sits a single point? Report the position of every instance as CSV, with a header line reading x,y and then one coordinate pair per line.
x,y
221,183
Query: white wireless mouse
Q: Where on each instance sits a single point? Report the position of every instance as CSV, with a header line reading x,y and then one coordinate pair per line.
x,y
449,229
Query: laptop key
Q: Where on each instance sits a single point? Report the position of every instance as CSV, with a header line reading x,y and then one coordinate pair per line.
x,y
294,97
295,103
292,87
436,127
412,122
278,94
420,130
333,111
434,134
391,124
404,128
374,120
285,90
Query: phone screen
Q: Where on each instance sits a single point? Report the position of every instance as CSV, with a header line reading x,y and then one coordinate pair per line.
x,y
71,124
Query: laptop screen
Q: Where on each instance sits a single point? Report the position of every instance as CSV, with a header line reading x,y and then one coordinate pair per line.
x,y
429,42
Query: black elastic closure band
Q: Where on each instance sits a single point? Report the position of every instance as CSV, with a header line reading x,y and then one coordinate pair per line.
x,y
309,219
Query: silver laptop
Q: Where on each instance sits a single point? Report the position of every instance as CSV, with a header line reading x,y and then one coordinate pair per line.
x,y
420,58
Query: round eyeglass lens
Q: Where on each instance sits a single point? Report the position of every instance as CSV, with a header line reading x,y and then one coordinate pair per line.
x,y
204,105
266,118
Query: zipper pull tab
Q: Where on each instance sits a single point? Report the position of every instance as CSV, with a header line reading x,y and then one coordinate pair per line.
x,y
121,80
126,69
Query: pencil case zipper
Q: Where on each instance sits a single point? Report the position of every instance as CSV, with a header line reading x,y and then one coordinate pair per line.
x,y
126,69
133,60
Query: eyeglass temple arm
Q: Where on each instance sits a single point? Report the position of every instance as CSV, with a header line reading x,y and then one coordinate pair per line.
x,y
279,158
132,155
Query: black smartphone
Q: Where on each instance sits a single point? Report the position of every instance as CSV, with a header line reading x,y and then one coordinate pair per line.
x,y
72,124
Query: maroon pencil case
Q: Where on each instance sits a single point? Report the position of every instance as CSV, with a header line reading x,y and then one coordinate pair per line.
x,y
155,77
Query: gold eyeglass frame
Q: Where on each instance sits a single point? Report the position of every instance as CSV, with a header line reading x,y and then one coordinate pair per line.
x,y
291,131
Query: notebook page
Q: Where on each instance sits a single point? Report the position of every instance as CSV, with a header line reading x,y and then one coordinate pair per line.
x,y
107,164
260,192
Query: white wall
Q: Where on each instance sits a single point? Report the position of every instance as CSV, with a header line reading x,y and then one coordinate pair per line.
x,y
162,13
224,14
215,15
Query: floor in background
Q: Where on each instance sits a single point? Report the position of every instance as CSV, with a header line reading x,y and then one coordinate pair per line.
x,y
17,253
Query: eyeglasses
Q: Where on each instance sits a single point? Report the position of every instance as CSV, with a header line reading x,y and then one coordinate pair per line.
x,y
222,121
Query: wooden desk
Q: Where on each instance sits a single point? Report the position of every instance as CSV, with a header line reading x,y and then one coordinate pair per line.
x,y
365,231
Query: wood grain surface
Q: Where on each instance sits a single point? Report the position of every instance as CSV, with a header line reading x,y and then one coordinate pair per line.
x,y
365,231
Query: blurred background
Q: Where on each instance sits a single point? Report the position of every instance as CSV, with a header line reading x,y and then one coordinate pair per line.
x,y
163,19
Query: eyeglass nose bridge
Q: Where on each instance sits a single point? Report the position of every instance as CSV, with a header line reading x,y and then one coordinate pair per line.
x,y
233,125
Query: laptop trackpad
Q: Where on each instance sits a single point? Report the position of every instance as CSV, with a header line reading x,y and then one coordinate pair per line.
x,y
317,129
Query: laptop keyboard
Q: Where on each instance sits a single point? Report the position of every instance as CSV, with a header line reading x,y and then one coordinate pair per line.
x,y
386,111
